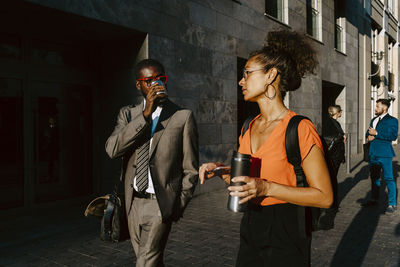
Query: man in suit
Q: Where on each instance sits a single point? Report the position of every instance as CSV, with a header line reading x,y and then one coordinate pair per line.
x,y
382,131
158,141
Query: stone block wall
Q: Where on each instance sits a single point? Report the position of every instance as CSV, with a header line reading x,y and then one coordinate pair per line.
x,y
199,42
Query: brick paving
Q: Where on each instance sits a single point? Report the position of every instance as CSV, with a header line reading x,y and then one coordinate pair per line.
x,y
208,235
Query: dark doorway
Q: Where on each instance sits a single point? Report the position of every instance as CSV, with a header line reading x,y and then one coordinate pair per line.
x,y
11,143
57,75
245,109
330,93
63,140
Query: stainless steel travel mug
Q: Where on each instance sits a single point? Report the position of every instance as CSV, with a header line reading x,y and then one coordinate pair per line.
x,y
240,166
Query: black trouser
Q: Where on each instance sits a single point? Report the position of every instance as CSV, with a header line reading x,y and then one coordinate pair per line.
x,y
270,236
374,174
335,167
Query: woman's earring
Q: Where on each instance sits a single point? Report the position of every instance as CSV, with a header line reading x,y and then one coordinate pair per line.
x,y
266,91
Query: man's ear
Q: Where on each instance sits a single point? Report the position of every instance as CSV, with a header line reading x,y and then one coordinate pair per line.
x,y
138,86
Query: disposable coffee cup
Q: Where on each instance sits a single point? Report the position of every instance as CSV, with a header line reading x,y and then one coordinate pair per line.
x,y
159,82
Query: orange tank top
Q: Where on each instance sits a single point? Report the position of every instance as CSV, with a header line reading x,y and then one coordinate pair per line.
x,y
274,164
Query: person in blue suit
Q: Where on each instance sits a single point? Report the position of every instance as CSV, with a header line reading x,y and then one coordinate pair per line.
x,y
383,129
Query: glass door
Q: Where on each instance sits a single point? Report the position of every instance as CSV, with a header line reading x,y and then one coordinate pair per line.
x,y
62,140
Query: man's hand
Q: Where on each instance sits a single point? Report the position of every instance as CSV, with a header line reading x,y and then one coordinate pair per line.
x,y
371,138
372,131
152,98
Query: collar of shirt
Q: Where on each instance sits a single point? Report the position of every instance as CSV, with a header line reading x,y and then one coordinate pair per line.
x,y
383,115
156,113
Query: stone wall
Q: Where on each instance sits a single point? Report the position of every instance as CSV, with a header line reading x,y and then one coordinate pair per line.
x,y
199,42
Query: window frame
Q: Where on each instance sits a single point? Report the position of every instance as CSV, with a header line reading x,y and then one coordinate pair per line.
x,y
340,22
390,6
282,10
314,14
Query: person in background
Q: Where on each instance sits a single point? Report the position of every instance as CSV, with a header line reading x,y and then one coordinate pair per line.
x,y
383,129
335,138
269,231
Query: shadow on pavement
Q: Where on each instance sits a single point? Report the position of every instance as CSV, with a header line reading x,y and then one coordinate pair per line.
x,y
397,233
355,166
355,242
347,184
396,170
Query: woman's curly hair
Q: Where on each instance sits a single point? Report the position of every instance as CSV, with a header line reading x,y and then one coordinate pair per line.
x,y
291,54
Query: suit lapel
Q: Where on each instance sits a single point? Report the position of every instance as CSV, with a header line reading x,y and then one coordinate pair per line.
x,y
136,111
166,113
384,118
372,122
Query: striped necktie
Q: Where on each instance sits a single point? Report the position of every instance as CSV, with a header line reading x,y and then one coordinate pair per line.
x,y
142,165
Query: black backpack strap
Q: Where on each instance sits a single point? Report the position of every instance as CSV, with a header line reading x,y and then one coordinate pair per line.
x,y
294,157
293,149
246,125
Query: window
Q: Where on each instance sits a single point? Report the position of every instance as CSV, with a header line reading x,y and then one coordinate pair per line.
x,y
340,26
367,7
339,36
390,67
277,9
374,76
374,43
314,19
390,6
390,57
375,79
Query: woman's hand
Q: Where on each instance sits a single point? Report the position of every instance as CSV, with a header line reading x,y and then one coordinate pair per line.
x,y
253,187
206,171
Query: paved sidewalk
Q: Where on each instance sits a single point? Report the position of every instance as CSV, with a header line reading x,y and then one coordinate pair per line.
x,y
208,235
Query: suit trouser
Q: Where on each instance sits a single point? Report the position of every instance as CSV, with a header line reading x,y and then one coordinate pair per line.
x,y
385,163
148,232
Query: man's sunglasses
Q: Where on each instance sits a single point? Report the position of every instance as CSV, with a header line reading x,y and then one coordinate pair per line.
x,y
149,80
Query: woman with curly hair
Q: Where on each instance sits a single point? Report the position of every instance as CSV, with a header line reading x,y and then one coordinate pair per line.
x,y
269,231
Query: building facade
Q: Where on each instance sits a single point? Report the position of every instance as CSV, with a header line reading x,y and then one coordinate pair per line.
x,y
66,67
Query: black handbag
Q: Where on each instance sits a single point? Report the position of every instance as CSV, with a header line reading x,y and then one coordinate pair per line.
x,y
366,152
114,223
111,210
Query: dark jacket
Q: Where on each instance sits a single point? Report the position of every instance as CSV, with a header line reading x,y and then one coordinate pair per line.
x,y
387,130
334,138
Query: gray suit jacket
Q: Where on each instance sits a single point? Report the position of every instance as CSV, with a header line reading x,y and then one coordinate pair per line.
x,y
173,161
